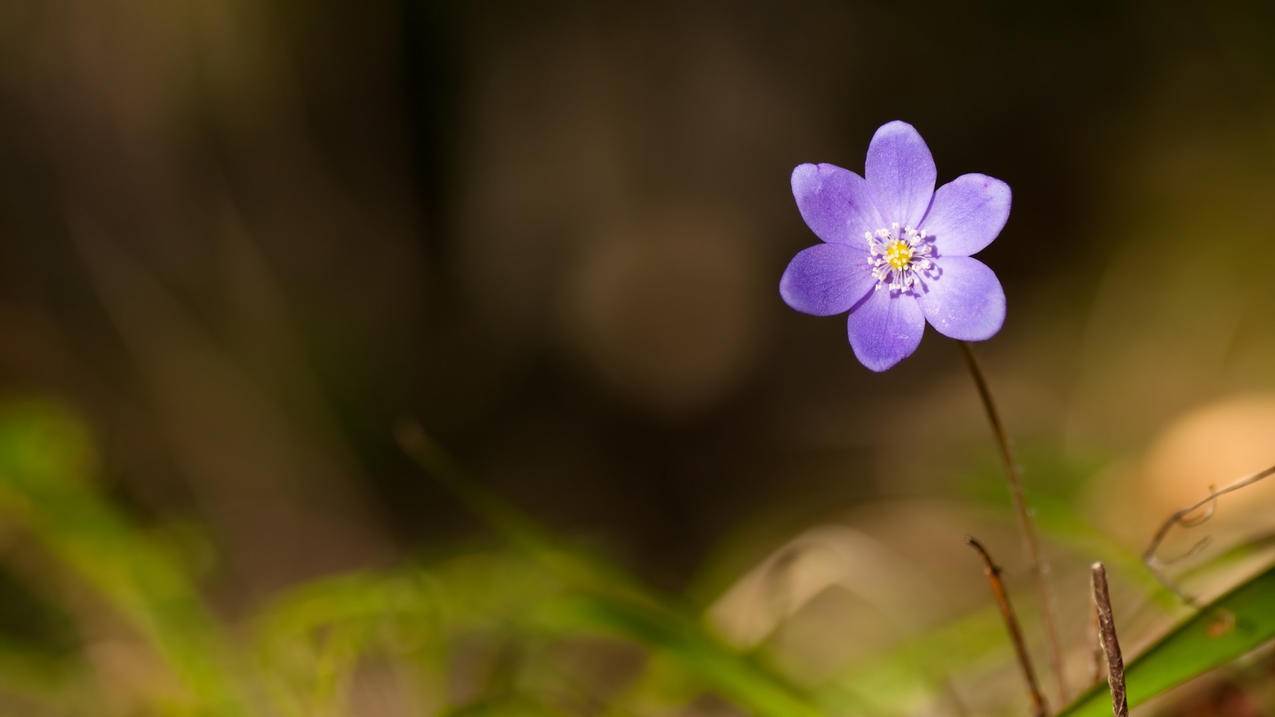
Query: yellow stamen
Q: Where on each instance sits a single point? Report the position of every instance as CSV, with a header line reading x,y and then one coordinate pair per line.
x,y
898,254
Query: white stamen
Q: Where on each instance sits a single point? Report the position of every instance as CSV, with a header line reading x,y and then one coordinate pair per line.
x,y
901,257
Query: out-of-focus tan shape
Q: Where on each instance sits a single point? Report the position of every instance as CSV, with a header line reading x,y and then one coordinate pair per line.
x,y
790,578
129,674
837,600
1213,445
382,689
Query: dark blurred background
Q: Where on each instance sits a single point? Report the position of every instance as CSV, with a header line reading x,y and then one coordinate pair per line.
x,y
244,239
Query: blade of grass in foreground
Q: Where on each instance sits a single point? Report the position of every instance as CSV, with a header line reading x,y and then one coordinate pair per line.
x,y
735,676
46,488
615,603
1230,627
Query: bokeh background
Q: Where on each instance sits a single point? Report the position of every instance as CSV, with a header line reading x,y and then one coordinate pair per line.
x,y
241,242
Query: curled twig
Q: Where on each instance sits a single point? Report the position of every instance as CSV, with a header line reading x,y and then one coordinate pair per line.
x,y
1186,518
1187,522
1196,548
1110,643
993,573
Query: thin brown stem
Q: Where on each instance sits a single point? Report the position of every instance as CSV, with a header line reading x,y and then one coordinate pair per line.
x,y
993,573
1110,643
1026,525
1097,664
1186,518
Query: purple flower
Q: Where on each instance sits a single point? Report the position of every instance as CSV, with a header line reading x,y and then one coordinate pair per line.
x,y
896,253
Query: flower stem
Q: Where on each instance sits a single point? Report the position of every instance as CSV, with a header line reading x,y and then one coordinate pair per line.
x,y
1026,525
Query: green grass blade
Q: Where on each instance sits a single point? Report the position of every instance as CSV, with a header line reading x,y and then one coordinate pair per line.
x,y
614,602
47,489
1230,627
738,677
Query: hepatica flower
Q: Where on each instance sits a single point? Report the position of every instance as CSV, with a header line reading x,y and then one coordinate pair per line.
x,y
897,253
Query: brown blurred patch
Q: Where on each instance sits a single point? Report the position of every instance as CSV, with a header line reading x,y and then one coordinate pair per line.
x,y
665,309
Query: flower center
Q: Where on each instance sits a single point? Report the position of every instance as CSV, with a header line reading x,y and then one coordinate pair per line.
x,y
901,258
898,254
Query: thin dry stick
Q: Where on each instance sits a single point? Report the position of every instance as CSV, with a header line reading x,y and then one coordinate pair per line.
x,y
1110,644
993,573
1026,526
1097,664
1184,519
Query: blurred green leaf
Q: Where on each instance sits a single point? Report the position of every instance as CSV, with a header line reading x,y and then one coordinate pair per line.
x,y
737,677
611,602
46,466
1230,627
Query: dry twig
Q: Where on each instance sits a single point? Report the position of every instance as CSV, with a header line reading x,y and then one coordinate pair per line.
x,y
1097,665
993,573
1185,519
1110,643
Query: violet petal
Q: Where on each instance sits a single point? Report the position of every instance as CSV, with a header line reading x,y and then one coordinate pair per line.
x,y
901,173
826,279
967,214
966,301
885,329
835,202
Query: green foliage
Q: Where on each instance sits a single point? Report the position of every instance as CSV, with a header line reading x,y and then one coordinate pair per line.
x,y
608,601
46,461
480,633
1229,628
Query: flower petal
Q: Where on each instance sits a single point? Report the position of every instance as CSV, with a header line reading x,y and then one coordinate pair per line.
x,y
901,173
885,329
966,301
836,203
826,279
967,214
